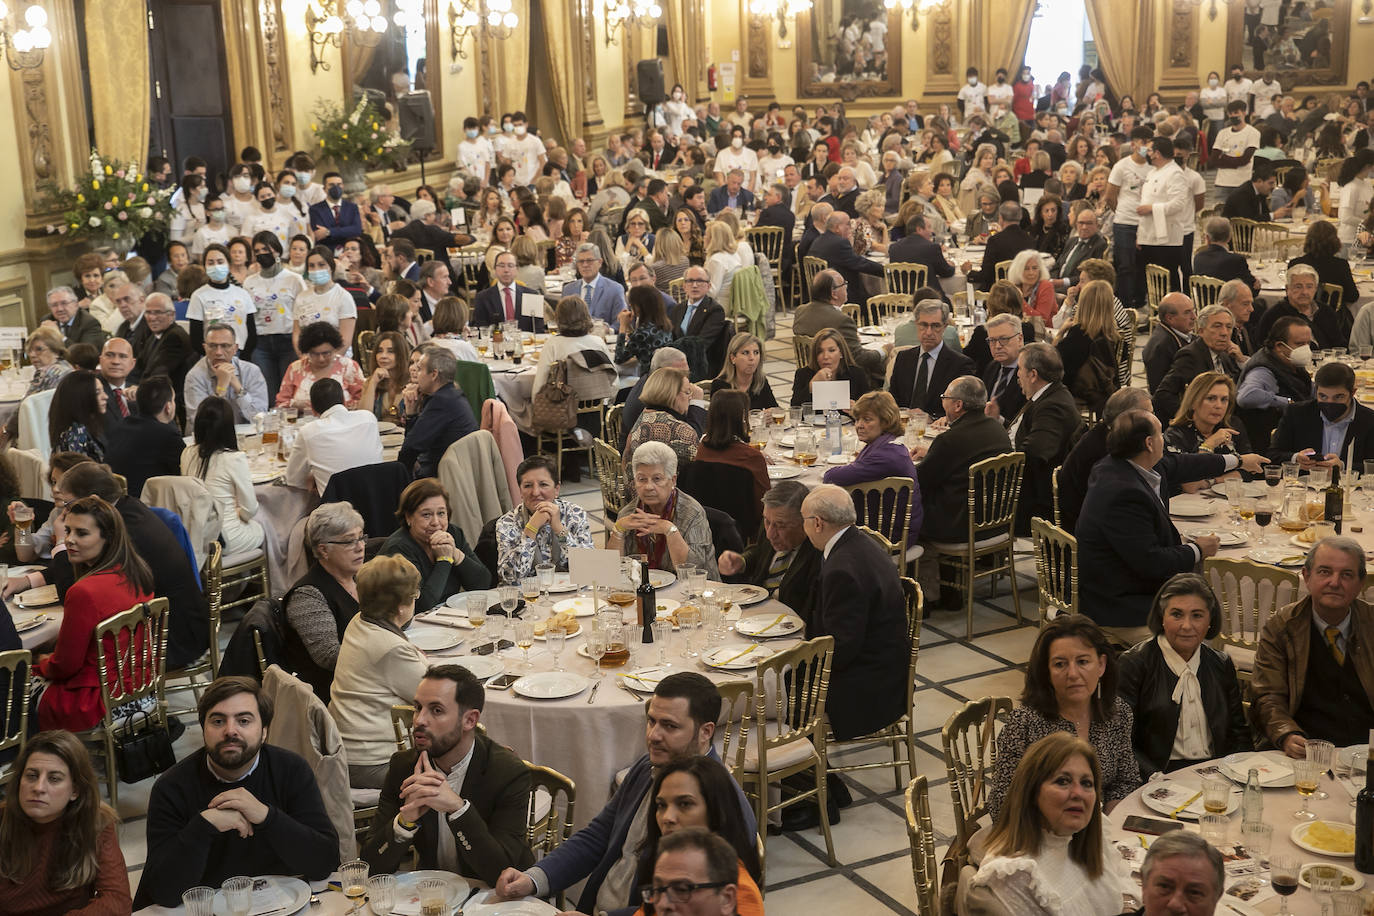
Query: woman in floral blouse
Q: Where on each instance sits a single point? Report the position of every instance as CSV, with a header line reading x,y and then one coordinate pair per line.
x,y
322,346
644,326
76,421
542,528
1071,683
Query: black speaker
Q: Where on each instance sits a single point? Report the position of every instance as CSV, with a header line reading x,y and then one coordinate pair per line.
x,y
416,112
649,75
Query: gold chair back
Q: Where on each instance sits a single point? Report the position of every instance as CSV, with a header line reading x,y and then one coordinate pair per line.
x,y
1243,235
1056,569
611,423
207,666
1054,494
548,828
131,648
676,288
402,718
851,309
920,835
885,506
1204,290
424,254
890,305
811,266
1001,269
736,706
1249,593
608,465
1156,286
1286,249
766,240
1267,236
969,742
993,493
801,349
17,664
366,341
1331,295
905,277
472,259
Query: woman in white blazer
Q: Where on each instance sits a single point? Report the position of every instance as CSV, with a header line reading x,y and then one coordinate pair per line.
x,y
214,458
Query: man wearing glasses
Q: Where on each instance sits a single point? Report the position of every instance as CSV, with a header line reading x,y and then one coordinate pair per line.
x,y
829,291
605,298
700,316
167,349
696,874
75,324
920,373
1006,337
1088,242
222,374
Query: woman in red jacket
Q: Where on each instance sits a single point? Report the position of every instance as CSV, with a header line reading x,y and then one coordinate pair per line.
x,y
111,579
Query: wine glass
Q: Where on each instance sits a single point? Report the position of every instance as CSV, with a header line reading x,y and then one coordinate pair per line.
x,y
554,639
510,597
663,631
545,573
529,590
353,878
689,620
524,638
1325,881
1283,877
1323,754
596,647
1305,773
381,894
1273,475
477,610
1264,514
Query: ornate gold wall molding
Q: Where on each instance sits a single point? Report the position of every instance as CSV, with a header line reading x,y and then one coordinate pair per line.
x,y
632,43
756,64
942,49
585,26
1180,58
277,86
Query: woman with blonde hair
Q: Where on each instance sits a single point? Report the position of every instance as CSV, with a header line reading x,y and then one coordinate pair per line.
x,y
1033,281
637,244
743,371
669,259
1203,421
978,174
830,362
530,260
59,844
869,231
666,396
1092,334
1047,852
723,260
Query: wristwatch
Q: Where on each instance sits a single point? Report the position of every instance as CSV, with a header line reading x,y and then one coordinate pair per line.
x,y
672,529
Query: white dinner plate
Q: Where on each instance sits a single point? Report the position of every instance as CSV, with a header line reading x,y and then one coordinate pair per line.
x,y
787,440
434,640
550,685
562,583
458,601
1227,537
661,578
447,618
1351,880
581,606
837,459
737,656
526,906
1230,906
43,596
768,625
1166,795
408,889
872,331
1255,489
386,426
643,680
1299,838
481,666
742,595
29,621
1297,541
1190,506
783,471
271,893
1274,772
1276,556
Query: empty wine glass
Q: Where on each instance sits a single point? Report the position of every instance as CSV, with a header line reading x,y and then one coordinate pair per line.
x,y
545,573
510,597
663,631
596,647
554,639
689,621
381,894
1325,881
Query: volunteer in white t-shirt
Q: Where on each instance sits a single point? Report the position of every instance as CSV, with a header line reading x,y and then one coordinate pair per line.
x,y
324,300
1239,87
1000,92
220,300
1233,151
269,217
1123,192
525,151
475,153
737,156
973,95
274,290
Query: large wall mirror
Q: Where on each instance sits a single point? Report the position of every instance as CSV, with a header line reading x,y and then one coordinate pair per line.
x,y
402,62
1305,42
849,48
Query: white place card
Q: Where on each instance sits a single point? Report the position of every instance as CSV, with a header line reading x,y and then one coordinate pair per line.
x,y
830,395
590,566
532,305
458,216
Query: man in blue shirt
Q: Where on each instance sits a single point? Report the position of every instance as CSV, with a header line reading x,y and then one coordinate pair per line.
x,y
605,298
445,418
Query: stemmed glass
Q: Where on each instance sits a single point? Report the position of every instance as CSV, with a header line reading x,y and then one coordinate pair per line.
x,y
510,597
663,631
1323,754
689,621
353,877
1305,773
529,590
545,573
1325,881
1283,877
554,639
524,638
1264,514
477,611
596,647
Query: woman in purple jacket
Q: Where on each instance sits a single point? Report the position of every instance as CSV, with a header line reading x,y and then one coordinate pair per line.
x,y
878,424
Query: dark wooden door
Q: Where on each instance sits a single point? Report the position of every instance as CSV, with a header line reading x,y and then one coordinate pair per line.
x,y
190,84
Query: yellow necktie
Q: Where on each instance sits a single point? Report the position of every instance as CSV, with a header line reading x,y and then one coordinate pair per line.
x,y
1333,636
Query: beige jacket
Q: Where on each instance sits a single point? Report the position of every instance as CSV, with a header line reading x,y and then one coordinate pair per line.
x,y
1281,665
475,478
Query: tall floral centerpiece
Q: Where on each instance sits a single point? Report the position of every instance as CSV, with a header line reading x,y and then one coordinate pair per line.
x,y
356,139
114,204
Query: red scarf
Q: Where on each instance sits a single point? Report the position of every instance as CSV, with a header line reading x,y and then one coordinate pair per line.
x,y
655,546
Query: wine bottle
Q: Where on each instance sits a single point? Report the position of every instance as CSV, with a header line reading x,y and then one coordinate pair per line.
x,y
1252,801
647,603
1364,817
1335,499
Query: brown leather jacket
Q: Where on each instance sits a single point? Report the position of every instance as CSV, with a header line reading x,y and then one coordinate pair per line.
x,y
1281,665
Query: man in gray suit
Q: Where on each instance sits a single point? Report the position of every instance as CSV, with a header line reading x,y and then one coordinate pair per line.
x,y
823,311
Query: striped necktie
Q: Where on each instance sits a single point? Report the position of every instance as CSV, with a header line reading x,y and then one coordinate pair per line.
x,y
1333,638
778,568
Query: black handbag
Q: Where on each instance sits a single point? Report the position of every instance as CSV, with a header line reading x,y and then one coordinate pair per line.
x,y
142,748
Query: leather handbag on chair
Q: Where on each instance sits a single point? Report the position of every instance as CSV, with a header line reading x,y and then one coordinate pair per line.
x,y
143,747
554,406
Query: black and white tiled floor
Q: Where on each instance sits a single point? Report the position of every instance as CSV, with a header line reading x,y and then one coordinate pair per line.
x,y
870,841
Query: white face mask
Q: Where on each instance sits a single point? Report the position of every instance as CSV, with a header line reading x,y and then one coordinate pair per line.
x,y
973,81
1212,82
737,142
1301,356
243,184
304,177
520,130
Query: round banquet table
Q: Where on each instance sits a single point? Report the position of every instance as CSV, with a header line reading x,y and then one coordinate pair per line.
x,y
589,743
43,636
1279,806
1272,275
332,902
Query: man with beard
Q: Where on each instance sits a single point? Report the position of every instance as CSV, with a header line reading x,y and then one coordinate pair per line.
x,y
680,721
458,798
236,807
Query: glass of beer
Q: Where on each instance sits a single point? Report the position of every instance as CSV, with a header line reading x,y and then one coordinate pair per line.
x,y
1216,794
353,879
433,896
23,520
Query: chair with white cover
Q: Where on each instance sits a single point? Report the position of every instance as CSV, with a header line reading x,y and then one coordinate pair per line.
x,y
33,422
475,478
32,473
190,499
1248,593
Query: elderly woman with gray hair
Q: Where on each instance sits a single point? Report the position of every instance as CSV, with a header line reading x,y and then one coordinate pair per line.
x,y
323,601
661,522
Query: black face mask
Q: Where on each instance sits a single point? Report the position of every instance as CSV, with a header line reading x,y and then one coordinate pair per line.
x,y
265,260
1236,120
1332,410
268,203
335,191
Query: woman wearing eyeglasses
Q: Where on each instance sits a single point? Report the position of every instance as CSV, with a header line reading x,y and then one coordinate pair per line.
x,y
323,601
434,545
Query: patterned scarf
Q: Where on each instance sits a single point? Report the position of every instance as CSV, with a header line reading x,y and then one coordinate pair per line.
x,y
655,546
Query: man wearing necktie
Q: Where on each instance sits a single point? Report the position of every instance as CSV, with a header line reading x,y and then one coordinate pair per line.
x,y
502,300
1314,668
335,220
784,561
1212,350
1005,340
920,373
1088,242
116,362
605,298
75,324
698,315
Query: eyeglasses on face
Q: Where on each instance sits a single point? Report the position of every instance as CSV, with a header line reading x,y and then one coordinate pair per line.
x,y
677,891
358,541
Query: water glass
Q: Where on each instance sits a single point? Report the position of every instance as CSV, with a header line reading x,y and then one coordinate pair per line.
x,y
1325,881
1216,794
713,617
545,573
684,575
238,895
1347,903
596,646
252,445
1319,478
554,639
1290,471
433,895
199,901
689,621
1257,837
696,582
381,894
353,880
663,631
1215,828
510,598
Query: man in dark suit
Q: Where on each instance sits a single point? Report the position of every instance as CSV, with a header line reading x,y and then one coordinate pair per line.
x,y
116,362
656,205
128,298
402,262
658,155
423,232
1216,259
445,418
776,212
502,300
918,247
943,473
732,194
75,324
698,315
1005,398
1046,429
784,561
483,817
1009,241
148,443
1237,296
828,292
861,605
921,373
845,196
815,225
1124,533
167,349
834,247
335,220
1212,350
1322,431
1088,242
1177,317
1251,200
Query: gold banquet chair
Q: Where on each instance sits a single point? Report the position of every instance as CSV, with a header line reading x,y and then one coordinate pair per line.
x,y
905,277
920,835
767,240
969,742
884,505
1243,235
1248,593
1156,288
801,349
889,305
811,265
608,466
1204,290
549,814
14,704
1056,569
732,729
207,666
